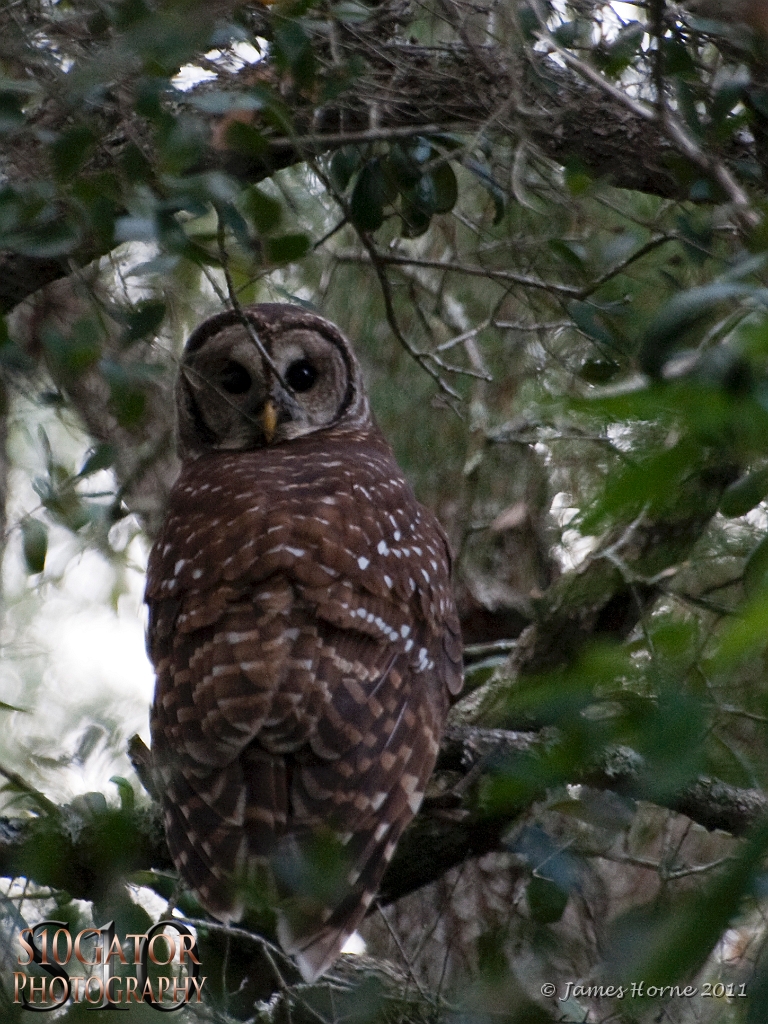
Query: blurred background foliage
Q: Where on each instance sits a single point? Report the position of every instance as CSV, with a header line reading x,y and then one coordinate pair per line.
x,y
544,225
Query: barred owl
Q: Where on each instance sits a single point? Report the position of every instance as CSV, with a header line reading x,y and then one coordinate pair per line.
x,y
302,628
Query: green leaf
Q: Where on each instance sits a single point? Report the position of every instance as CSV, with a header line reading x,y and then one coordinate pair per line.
x,y
420,150
149,93
243,137
742,637
35,544
70,151
160,266
727,96
655,483
756,570
686,310
492,958
351,12
758,96
144,319
102,457
446,188
293,298
546,900
742,496
11,113
423,196
598,807
415,220
135,165
344,163
293,52
127,387
196,192
317,873
588,320
666,943
434,192
162,882
491,186
577,178
262,210
567,32
402,168
125,790
566,252
183,146
614,58
61,500
545,857
74,354
287,248
48,239
100,197
480,672
697,228
369,196
677,60
130,12
529,22
686,98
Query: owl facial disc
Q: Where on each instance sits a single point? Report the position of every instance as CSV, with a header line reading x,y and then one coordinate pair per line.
x,y
286,373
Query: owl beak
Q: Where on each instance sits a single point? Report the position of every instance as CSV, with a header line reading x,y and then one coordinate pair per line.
x,y
269,420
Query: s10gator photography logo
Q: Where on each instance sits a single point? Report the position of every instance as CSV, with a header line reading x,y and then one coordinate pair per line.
x,y
101,973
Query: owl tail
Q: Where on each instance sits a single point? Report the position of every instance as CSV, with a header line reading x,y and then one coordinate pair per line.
x,y
317,953
314,932
314,935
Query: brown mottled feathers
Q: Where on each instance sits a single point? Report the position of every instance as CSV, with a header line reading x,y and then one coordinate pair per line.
x,y
306,647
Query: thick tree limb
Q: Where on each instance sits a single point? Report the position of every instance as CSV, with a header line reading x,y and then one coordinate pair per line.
x,y
85,847
406,89
606,596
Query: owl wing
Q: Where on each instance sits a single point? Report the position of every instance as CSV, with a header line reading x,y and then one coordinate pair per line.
x,y
289,712
299,686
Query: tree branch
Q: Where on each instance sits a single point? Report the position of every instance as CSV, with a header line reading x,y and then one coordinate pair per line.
x,y
405,90
449,829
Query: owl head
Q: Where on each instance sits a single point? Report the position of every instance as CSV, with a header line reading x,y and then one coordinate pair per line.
x,y
264,375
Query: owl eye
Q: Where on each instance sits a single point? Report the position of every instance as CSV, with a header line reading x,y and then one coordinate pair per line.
x,y
235,378
301,375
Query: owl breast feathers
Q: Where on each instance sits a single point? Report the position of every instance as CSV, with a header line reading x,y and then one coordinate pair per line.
x,y
302,628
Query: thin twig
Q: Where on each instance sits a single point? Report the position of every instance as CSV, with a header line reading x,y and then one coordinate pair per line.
x,y
242,316
329,234
396,939
675,130
317,144
525,280
493,647
25,787
386,290
420,357
460,338
621,266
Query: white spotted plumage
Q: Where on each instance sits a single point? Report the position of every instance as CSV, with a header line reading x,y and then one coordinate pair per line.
x,y
302,625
